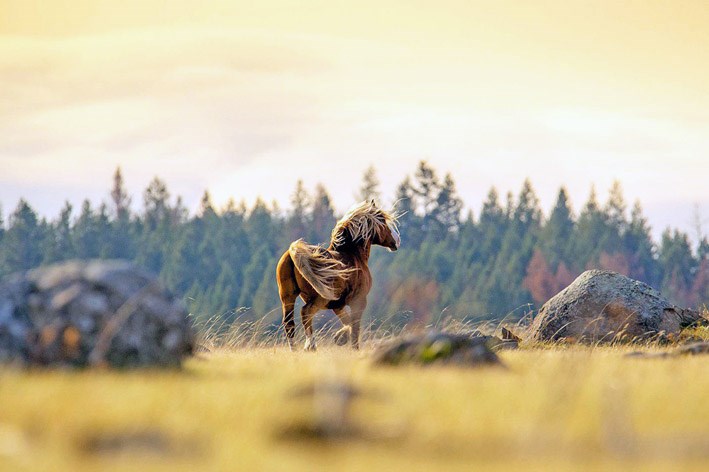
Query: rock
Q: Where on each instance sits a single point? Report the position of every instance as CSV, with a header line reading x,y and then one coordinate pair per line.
x,y
693,349
438,348
603,306
91,313
508,341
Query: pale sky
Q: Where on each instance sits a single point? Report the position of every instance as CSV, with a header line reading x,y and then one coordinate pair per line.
x,y
243,98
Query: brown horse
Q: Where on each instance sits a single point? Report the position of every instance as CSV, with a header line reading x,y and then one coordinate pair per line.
x,y
336,278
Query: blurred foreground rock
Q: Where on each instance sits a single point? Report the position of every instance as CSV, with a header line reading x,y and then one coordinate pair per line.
x,y
603,306
693,349
438,348
91,314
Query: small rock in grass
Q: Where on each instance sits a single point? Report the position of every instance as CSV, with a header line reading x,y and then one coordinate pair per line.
x,y
693,349
438,348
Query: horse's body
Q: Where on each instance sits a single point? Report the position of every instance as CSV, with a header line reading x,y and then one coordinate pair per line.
x,y
336,278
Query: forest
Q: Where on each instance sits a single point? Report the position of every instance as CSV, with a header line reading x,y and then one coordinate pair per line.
x,y
504,261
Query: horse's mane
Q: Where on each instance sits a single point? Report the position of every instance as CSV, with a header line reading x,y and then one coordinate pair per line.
x,y
319,268
362,221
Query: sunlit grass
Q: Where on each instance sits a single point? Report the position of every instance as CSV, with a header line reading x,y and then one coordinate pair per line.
x,y
231,409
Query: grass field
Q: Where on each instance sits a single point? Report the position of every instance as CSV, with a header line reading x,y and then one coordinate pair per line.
x,y
254,409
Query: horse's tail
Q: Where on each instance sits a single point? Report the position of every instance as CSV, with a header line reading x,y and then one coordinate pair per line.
x,y
320,270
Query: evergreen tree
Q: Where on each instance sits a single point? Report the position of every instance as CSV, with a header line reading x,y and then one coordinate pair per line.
x,y
556,238
155,228
322,216
370,186
119,197
121,238
60,240
527,213
409,223
448,208
678,266
592,230
617,223
298,221
492,226
253,275
638,244
427,188
86,233
260,227
22,242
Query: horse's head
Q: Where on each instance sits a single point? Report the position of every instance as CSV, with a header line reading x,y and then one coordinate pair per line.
x,y
387,233
367,223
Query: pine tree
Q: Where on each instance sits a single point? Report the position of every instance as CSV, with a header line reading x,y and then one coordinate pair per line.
x,y
322,216
260,227
427,188
370,186
409,222
448,208
58,245
592,231
253,275
298,220
556,238
22,242
527,213
638,245
156,233
119,197
616,221
91,232
492,226
678,266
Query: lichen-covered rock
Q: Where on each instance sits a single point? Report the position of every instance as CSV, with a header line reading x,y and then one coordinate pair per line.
x,y
439,348
603,306
91,313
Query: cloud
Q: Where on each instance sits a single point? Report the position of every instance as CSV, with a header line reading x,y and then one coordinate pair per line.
x,y
247,113
186,105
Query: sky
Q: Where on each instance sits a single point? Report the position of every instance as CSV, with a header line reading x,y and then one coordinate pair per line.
x,y
244,98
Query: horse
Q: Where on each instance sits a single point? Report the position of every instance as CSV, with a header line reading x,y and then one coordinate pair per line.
x,y
337,277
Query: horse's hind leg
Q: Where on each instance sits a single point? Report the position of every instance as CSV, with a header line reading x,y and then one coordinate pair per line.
x,y
306,315
288,292
289,321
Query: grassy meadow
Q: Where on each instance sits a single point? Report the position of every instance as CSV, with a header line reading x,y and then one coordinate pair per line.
x,y
260,407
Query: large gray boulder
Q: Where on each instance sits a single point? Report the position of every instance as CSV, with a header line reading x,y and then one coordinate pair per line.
x,y
96,313
603,306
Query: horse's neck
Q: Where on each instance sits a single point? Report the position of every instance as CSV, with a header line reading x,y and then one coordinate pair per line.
x,y
359,252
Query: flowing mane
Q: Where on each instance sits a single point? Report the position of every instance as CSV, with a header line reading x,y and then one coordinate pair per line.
x,y
362,221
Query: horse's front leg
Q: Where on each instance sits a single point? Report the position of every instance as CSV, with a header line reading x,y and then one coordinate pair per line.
x,y
342,336
357,308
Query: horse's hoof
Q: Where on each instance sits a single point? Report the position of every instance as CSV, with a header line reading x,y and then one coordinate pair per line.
x,y
310,344
342,337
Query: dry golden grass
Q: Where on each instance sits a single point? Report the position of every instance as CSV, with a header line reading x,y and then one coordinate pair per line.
x,y
555,408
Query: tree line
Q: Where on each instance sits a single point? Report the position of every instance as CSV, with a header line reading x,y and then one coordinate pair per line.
x,y
503,262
